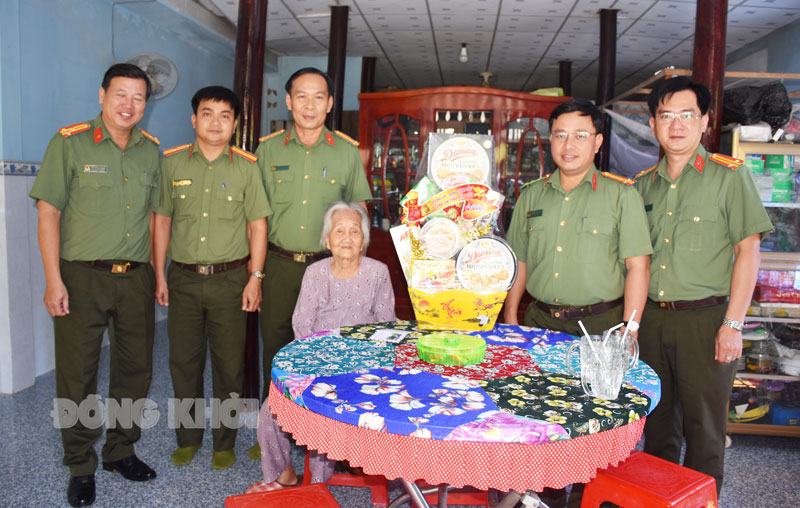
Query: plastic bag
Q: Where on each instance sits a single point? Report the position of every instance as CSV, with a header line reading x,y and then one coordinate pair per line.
x,y
748,105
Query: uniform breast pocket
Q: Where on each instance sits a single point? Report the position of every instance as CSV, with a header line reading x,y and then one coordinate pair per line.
x,y
229,202
697,225
280,187
331,186
596,236
184,198
536,227
96,194
146,191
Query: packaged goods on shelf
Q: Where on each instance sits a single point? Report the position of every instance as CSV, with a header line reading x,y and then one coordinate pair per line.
x,y
769,294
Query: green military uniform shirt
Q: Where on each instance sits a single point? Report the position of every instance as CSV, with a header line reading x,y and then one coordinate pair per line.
x,y
575,244
695,220
105,194
210,203
302,181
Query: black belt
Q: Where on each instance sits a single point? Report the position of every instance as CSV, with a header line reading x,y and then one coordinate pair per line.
x,y
299,257
691,304
114,266
565,312
212,269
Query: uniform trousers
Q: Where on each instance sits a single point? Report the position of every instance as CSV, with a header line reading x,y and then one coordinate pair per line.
x,y
595,324
280,289
96,297
205,312
695,388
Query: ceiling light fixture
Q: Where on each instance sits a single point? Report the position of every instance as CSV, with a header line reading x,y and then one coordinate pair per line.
x,y
463,57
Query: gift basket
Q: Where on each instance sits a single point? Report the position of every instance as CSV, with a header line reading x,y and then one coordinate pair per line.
x,y
457,267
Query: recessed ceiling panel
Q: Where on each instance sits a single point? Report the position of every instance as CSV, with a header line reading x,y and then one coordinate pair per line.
x,y
527,7
529,23
660,29
745,16
368,7
671,11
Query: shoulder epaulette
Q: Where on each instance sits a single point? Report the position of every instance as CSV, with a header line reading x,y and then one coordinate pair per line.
x,y
534,181
268,136
642,173
244,154
150,136
620,179
176,149
74,129
346,138
728,162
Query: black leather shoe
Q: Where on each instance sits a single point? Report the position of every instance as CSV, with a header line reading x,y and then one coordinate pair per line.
x,y
81,490
131,468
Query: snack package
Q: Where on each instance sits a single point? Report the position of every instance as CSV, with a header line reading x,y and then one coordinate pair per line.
x,y
458,273
456,159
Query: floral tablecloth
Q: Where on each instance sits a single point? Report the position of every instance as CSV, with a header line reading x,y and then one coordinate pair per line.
x,y
520,393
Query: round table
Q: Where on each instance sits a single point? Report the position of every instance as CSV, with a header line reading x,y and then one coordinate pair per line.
x,y
516,421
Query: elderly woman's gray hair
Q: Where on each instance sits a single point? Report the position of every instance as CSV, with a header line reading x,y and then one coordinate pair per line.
x,y
327,221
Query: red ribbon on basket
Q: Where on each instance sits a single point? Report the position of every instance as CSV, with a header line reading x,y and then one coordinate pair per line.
x,y
468,198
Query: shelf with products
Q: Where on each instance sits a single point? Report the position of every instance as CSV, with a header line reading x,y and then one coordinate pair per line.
x,y
766,393
773,393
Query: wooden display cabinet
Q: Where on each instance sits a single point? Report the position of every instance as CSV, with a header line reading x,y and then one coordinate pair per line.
x,y
393,127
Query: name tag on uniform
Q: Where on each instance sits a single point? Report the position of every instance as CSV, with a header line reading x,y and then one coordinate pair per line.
x,y
648,208
280,168
535,213
182,183
95,168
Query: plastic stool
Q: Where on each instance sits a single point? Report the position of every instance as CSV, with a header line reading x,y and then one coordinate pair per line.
x,y
468,496
376,483
305,496
645,481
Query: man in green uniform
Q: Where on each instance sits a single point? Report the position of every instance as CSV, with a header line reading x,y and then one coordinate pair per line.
x,y
706,222
96,189
581,240
304,170
213,218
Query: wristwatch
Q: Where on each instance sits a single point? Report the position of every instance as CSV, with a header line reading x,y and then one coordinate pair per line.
x,y
258,274
632,325
736,325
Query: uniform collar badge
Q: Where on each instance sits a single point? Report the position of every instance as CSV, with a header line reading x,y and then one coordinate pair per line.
x,y
699,162
288,137
329,138
98,135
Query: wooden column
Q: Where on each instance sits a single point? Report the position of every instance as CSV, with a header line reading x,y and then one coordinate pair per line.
x,y
605,77
565,76
368,74
709,61
337,52
247,84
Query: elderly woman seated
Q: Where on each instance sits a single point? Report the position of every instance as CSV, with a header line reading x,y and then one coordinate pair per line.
x,y
347,288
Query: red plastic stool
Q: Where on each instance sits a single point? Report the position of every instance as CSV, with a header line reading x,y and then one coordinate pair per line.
x,y
316,495
376,483
468,496
645,481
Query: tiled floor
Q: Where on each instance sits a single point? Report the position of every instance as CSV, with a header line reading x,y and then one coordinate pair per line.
x,y
761,471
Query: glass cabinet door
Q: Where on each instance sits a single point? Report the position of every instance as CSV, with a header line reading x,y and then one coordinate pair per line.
x,y
528,158
395,158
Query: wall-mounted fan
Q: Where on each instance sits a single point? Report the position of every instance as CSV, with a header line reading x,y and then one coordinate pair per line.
x,y
162,72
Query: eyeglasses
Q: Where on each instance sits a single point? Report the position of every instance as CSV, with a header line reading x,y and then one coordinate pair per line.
x,y
668,117
579,136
